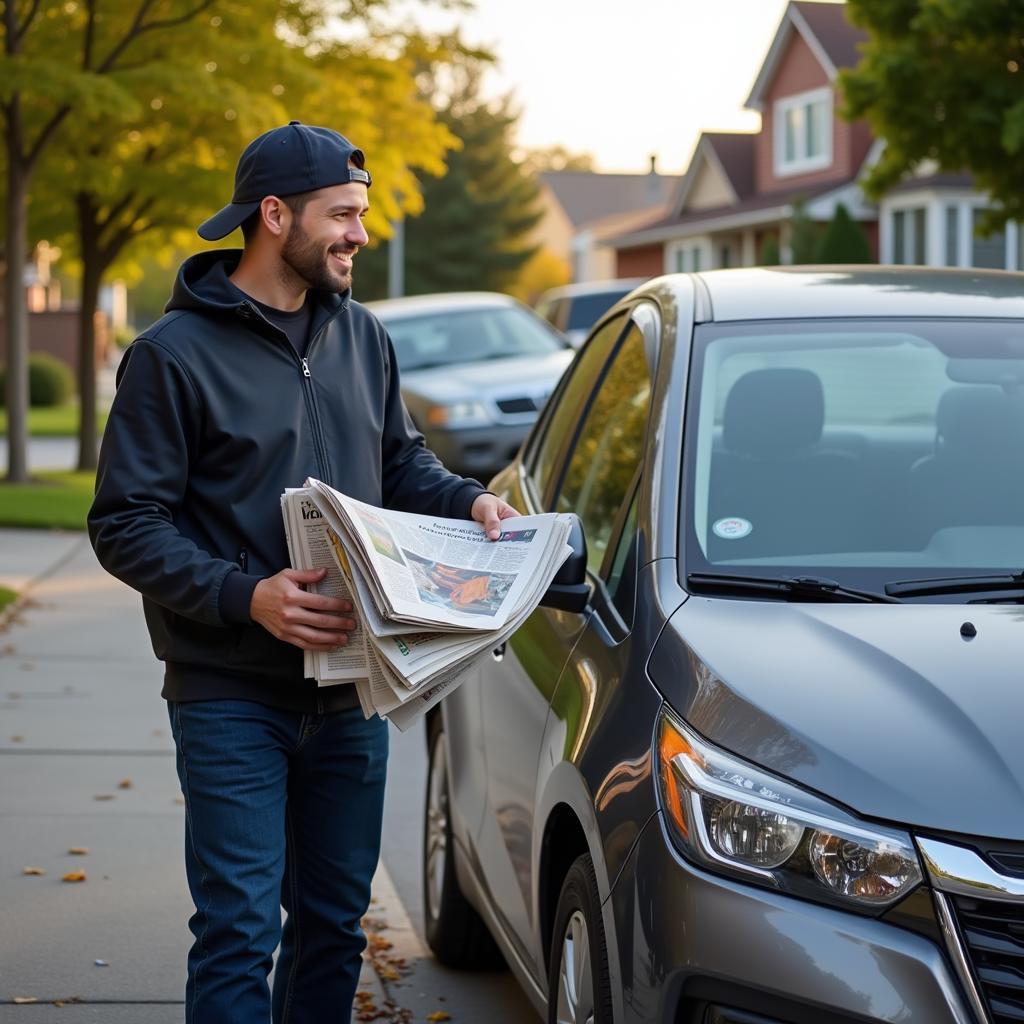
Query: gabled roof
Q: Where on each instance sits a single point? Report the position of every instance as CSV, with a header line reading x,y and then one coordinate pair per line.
x,y
589,195
732,155
825,29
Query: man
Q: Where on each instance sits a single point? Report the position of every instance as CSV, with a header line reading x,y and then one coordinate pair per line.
x,y
263,372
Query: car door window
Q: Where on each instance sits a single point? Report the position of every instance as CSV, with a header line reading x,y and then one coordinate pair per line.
x,y
609,447
569,402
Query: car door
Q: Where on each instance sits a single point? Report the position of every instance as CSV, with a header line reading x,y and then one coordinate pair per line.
x,y
517,680
584,462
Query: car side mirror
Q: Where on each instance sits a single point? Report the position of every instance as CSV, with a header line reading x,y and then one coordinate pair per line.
x,y
569,591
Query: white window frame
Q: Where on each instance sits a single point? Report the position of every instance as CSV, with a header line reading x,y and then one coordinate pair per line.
x,y
802,163
936,203
688,247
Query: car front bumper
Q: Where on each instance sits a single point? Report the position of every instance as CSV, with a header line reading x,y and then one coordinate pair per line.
x,y
700,949
479,451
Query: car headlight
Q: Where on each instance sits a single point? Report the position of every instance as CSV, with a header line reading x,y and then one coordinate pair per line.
x,y
459,414
731,817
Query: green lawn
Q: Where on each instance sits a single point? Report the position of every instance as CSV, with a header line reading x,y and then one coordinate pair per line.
x,y
6,597
58,421
56,501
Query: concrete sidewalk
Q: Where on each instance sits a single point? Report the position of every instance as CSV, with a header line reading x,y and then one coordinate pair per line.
x,y
88,762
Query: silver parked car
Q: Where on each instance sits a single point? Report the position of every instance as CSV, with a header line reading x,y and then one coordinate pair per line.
x,y
574,308
477,367
758,756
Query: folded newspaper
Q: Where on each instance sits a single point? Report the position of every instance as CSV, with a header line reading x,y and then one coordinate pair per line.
x,y
430,594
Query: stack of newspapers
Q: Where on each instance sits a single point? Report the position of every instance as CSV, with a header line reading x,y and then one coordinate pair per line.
x,y
430,594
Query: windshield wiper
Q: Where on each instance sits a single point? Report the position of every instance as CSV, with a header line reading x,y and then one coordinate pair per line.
x,y
938,585
798,586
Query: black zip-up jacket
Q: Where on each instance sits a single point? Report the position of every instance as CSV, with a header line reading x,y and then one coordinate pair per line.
x,y
215,415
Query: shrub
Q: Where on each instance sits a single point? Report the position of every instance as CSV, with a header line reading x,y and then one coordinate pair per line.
x,y
50,381
844,242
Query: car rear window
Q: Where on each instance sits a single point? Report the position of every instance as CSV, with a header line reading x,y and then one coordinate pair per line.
x,y
586,310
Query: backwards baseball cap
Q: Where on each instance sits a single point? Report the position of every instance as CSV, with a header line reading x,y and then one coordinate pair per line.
x,y
283,162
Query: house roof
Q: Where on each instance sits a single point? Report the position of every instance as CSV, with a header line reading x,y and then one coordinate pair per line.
x,y
825,29
589,195
736,153
753,210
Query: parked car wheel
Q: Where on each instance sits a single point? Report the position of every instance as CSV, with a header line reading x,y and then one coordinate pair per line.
x,y
578,987
455,932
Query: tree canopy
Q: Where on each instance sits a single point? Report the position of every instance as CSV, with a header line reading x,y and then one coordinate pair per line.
x,y
473,231
942,81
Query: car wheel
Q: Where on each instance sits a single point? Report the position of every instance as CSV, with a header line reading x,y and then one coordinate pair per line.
x,y
455,932
578,987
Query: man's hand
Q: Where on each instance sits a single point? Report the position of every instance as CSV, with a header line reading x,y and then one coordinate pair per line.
x,y
310,621
489,510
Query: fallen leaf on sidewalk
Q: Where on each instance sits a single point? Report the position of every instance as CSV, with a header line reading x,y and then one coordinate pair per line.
x,y
125,784
33,871
17,739
78,851
439,1015
104,796
74,876
23,1000
180,801
377,942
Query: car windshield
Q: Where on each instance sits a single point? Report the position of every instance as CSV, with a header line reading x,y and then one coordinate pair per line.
x,y
862,451
469,336
586,310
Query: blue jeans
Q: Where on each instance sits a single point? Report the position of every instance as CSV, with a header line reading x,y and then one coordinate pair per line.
x,y
282,809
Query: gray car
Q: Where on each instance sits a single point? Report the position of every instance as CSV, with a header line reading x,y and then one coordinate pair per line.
x,y
757,758
476,369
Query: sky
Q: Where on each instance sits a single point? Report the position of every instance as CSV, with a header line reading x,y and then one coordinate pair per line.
x,y
626,80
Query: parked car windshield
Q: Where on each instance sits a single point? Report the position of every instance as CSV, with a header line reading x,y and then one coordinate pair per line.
x,y
469,336
864,451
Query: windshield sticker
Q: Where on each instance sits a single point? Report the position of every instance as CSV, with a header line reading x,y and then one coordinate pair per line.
x,y
732,528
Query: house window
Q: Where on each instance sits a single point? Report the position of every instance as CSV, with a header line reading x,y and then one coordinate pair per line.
x,y
987,251
952,236
909,236
725,257
803,132
687,258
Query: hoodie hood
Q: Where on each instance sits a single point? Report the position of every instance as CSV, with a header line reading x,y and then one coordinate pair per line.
x,y
203,284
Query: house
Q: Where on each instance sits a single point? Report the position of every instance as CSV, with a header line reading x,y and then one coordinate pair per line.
x,y
582,209
741,190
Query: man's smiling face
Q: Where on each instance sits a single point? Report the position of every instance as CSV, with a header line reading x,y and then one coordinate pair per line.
x,y
323,239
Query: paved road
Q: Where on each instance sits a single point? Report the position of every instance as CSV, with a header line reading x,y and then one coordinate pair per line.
x,y
87,761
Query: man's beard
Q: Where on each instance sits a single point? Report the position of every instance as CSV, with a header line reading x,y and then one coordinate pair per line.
x,y
309,262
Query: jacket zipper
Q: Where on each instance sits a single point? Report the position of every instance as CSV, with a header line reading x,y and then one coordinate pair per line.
x,y
243,560
312,411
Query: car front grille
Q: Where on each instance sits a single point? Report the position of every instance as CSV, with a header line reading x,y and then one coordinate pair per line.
x,y
511,406
993,936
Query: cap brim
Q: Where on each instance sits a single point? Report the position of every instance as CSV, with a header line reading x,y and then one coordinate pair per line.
x,y
223,222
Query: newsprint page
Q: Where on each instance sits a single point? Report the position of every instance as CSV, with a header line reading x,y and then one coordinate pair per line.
x,y
430,595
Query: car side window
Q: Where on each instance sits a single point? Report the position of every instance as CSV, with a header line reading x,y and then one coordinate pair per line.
x,y
570,402
609,446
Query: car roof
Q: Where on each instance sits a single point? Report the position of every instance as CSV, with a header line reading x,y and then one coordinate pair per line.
x,y
624,284
770,293
439,302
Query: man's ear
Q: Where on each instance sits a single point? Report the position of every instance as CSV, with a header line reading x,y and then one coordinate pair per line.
x,y
275,215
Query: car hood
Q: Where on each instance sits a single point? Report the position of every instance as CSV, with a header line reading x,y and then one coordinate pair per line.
x,y
884,708
491,377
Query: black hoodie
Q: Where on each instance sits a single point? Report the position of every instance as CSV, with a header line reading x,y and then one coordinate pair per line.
x,y
215,415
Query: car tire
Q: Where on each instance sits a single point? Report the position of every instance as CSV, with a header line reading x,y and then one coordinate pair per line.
x,y
455,932
579,991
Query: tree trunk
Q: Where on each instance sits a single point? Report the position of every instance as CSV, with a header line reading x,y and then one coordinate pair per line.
x,y
92,273
15,310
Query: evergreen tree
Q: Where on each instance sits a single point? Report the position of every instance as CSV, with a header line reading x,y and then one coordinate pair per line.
x,y
473,232
770,256
843,241
805,236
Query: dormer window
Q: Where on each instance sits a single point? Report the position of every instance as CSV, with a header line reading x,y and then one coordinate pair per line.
x,y
803,132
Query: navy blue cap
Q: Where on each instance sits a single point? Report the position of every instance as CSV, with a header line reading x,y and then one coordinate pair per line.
x,y
284,162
